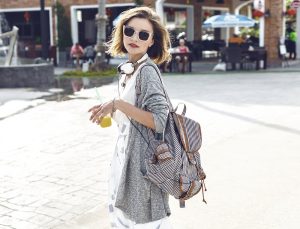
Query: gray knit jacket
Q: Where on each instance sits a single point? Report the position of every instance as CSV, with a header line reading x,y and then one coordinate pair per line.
x,y
141,200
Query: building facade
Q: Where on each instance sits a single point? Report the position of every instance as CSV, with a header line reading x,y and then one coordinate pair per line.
x,y
178,15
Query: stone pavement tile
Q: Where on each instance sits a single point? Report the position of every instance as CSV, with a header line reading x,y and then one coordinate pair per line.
x,y
23,200
10,194
6,220
5,210
59,204
68,217
8,205
85,206
6,227
41,219
42,201
54,223
22,215
52,212
94,219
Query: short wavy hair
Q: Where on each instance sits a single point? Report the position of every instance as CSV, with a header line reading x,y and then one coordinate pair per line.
x,y
159,51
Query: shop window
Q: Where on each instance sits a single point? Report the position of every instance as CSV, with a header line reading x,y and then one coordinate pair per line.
x,y
176,19
220,1
25,30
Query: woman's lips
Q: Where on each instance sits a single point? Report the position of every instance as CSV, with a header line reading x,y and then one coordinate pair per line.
x,y
133,45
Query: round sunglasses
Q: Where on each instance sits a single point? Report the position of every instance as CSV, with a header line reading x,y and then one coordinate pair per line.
x,y
142,35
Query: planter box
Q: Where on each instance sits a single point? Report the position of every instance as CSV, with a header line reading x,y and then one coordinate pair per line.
x,y
27,75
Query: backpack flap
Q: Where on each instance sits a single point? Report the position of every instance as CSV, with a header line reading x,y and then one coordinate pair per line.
x,y
189,132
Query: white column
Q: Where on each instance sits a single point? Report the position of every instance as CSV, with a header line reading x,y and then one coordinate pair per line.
x,y
298,33
283,21
249,11
159,7
74,25
236,12
262,27
50,24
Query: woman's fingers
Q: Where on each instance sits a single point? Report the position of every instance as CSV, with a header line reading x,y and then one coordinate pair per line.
x,y
94,107
95,110
94,113
98,115
99,111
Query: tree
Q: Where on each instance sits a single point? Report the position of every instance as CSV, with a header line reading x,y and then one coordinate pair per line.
x,y
63,27
139,2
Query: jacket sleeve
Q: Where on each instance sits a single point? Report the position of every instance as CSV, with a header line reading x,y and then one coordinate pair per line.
x,y
153,97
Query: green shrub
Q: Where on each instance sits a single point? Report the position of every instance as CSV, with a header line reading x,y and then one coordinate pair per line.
x,y
107,73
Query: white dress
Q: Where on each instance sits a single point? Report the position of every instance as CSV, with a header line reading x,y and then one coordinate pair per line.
x,y
117,217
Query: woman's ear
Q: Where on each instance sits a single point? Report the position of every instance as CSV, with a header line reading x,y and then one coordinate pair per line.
x,y
152,43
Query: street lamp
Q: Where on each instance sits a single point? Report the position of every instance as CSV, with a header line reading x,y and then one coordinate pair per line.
x,y
101,35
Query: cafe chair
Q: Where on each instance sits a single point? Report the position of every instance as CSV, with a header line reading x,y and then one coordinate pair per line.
x,y
233,56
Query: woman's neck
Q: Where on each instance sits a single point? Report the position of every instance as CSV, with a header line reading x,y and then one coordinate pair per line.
x,y
135,58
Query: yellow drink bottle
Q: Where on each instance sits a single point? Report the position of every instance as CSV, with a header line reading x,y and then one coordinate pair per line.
x,y
106,122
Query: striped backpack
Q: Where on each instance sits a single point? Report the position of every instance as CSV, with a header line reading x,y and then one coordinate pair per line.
x,y
174,163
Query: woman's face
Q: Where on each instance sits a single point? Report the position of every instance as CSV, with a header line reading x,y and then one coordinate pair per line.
x,y
137,37
181,42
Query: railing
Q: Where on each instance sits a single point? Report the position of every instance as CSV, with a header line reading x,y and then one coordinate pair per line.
x,y
13,39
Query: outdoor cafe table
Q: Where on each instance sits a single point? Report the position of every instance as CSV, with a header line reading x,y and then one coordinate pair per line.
x,y
256,55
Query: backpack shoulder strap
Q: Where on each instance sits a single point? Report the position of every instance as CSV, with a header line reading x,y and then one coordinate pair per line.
x,y
138,83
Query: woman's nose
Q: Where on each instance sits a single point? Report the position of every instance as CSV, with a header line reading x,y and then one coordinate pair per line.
x,y
135,36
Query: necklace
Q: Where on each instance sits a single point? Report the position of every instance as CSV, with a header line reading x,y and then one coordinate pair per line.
x,y
127,77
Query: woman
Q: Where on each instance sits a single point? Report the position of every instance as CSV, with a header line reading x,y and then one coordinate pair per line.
x,y
182,48
77,53
134,202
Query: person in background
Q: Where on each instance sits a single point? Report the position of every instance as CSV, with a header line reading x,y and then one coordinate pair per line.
x,y
89,54
182,48
293,39
77,53
236,39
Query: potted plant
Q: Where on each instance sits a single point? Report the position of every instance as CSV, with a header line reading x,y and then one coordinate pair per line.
x,y
64,32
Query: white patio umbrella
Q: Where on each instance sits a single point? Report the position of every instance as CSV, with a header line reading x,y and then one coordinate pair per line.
x,y
228,21
116,20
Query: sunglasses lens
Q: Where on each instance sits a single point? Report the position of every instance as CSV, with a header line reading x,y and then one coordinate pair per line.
x,y
143,36
128,31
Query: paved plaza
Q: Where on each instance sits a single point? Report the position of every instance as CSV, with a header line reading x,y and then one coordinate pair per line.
x,y
54,163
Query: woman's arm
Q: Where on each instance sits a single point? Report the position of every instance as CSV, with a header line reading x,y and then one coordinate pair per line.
x,y
154,106
139,115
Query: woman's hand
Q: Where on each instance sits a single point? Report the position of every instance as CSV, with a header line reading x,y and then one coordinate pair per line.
x,y
100,111
139,115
